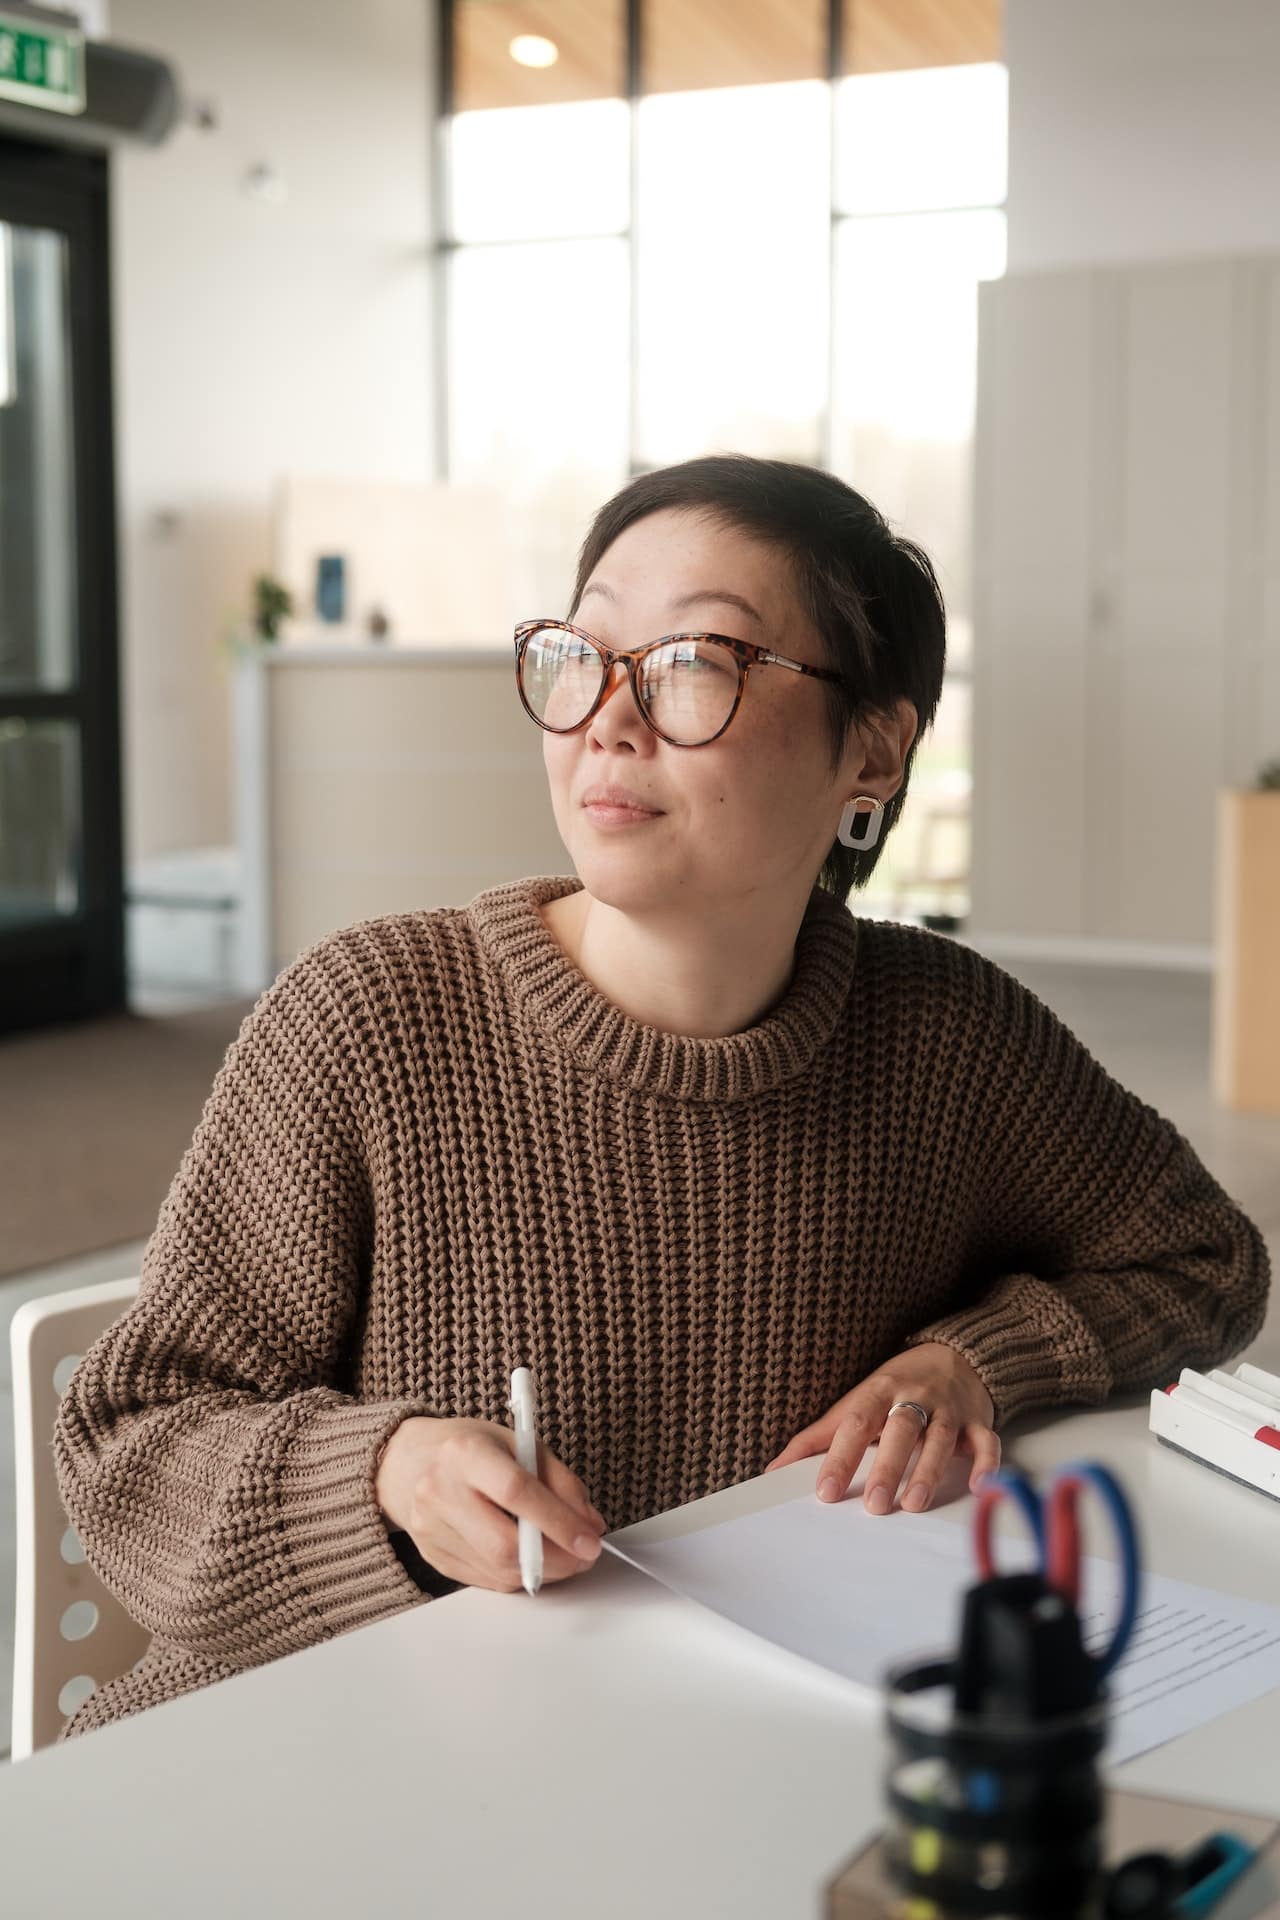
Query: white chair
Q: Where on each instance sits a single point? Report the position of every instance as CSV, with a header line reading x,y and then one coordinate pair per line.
x,y
70,1633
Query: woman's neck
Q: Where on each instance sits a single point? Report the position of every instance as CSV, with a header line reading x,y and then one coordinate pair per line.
x,y
707,986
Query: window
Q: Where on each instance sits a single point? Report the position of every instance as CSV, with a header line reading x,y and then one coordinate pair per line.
x,y
732,346
538,279
534,173
680,226
538,395
934,137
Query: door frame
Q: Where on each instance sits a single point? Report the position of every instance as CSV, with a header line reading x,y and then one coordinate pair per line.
x,y
72,967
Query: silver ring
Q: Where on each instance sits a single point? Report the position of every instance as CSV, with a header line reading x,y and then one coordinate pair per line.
x,y
914,1407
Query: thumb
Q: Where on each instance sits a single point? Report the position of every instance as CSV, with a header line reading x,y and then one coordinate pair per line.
x,y
815,1439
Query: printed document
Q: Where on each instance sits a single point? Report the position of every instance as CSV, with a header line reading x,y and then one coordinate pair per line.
x,y
859,1592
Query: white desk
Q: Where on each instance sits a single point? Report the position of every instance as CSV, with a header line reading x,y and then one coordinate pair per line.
x,y
604,1748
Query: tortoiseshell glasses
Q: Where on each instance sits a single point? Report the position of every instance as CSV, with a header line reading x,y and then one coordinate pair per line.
x,y
687,686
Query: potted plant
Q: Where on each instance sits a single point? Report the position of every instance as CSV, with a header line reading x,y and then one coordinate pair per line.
x,y
1246,996
272,601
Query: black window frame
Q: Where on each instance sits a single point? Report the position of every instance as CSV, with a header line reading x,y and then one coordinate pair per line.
x,y
71,966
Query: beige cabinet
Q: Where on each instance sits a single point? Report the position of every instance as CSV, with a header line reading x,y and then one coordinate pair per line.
x,y
372,781
1127,597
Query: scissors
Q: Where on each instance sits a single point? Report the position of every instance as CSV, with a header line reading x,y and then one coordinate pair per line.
x,y
1055,1527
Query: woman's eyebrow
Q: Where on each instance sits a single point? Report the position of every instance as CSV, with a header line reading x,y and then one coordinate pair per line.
x,y
721,594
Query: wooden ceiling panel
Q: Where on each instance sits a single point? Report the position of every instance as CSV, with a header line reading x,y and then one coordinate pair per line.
x,y
889,36
688,44
589,36
731,43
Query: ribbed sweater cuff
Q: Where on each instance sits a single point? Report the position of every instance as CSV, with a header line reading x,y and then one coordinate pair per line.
x,y
332,1528
1028,1345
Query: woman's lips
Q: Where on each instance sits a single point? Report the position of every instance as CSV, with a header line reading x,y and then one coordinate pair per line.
x,y
607,816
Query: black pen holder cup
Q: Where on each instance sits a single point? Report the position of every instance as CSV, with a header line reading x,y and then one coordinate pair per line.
x,y
991,1816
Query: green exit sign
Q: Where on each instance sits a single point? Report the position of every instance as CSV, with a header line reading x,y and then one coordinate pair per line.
x,y
42,66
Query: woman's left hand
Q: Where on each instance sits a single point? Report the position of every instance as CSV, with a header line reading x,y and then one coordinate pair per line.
x,y
960,1409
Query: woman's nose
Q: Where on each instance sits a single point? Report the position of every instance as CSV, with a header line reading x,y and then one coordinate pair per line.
x,y
615,678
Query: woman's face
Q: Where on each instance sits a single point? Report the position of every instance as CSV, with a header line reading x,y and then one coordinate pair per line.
x,y
756,810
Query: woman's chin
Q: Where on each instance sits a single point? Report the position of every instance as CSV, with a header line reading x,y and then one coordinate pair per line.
x,y
621,879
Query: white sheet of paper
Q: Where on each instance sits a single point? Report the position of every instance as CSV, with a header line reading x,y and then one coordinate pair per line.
x,y
856,1592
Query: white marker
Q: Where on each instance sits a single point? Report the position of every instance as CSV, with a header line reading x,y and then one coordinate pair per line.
x,y
530,1535
1226,1386
1228,1416
1255,1377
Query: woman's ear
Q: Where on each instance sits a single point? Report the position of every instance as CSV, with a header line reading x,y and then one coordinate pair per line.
x,y
884,741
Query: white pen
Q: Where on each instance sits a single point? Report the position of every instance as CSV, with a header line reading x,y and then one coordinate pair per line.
x,y
530,1535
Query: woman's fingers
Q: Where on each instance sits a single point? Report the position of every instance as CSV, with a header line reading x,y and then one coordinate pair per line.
x,y
564,1481
937,1448
987,1451
898,1442
470,1494
899,1436
450,1553
936,1377
812,1440
858,1428
499,1475
493,1540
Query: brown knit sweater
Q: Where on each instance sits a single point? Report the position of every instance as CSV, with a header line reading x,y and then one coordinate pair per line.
x,y
435,1152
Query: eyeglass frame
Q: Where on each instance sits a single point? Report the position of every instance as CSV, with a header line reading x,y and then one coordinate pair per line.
x,y
746,652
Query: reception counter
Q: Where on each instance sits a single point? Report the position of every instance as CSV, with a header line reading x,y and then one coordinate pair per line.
x,y
378,778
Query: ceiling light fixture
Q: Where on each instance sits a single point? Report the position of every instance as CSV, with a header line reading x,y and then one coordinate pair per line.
x,y
534,50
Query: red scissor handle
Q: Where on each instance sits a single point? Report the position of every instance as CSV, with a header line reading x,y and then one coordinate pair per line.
x,y
1058,1535
1062,1539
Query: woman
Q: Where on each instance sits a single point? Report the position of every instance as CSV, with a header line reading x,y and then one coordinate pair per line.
x,y
742,1177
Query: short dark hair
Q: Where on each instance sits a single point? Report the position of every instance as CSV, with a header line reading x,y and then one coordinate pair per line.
x,y
871,594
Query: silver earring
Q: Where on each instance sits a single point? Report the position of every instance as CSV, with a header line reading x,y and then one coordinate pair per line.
x,y
844,832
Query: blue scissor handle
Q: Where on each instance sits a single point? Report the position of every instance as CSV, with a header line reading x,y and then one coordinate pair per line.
x,y
1024,1496
1009,1480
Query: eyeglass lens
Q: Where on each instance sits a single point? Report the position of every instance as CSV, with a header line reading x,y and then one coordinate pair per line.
x,y
688,687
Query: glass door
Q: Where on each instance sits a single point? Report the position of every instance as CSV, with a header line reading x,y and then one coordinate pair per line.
x,y
61,898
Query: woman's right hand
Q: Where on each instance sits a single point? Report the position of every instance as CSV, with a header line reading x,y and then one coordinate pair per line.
x,y
454,1487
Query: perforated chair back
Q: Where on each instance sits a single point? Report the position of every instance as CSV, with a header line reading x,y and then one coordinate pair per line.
x,y
70,1633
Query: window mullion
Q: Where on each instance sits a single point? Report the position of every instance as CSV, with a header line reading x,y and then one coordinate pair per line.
x,y
835,58
633,250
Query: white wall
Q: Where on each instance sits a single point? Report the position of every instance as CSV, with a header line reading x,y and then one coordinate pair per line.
x,y
254,338
1141,129
94,17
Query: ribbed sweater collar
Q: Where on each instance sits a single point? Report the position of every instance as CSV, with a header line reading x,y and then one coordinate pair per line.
x,y
541,978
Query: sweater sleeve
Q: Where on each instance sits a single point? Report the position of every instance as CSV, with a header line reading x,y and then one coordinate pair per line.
x,y
221,1483
1105,1255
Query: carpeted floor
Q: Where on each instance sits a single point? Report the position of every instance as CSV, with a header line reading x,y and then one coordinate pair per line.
x,y
94,1119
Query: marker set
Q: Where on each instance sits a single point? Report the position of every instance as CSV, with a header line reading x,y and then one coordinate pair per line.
x,y
1228,1421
